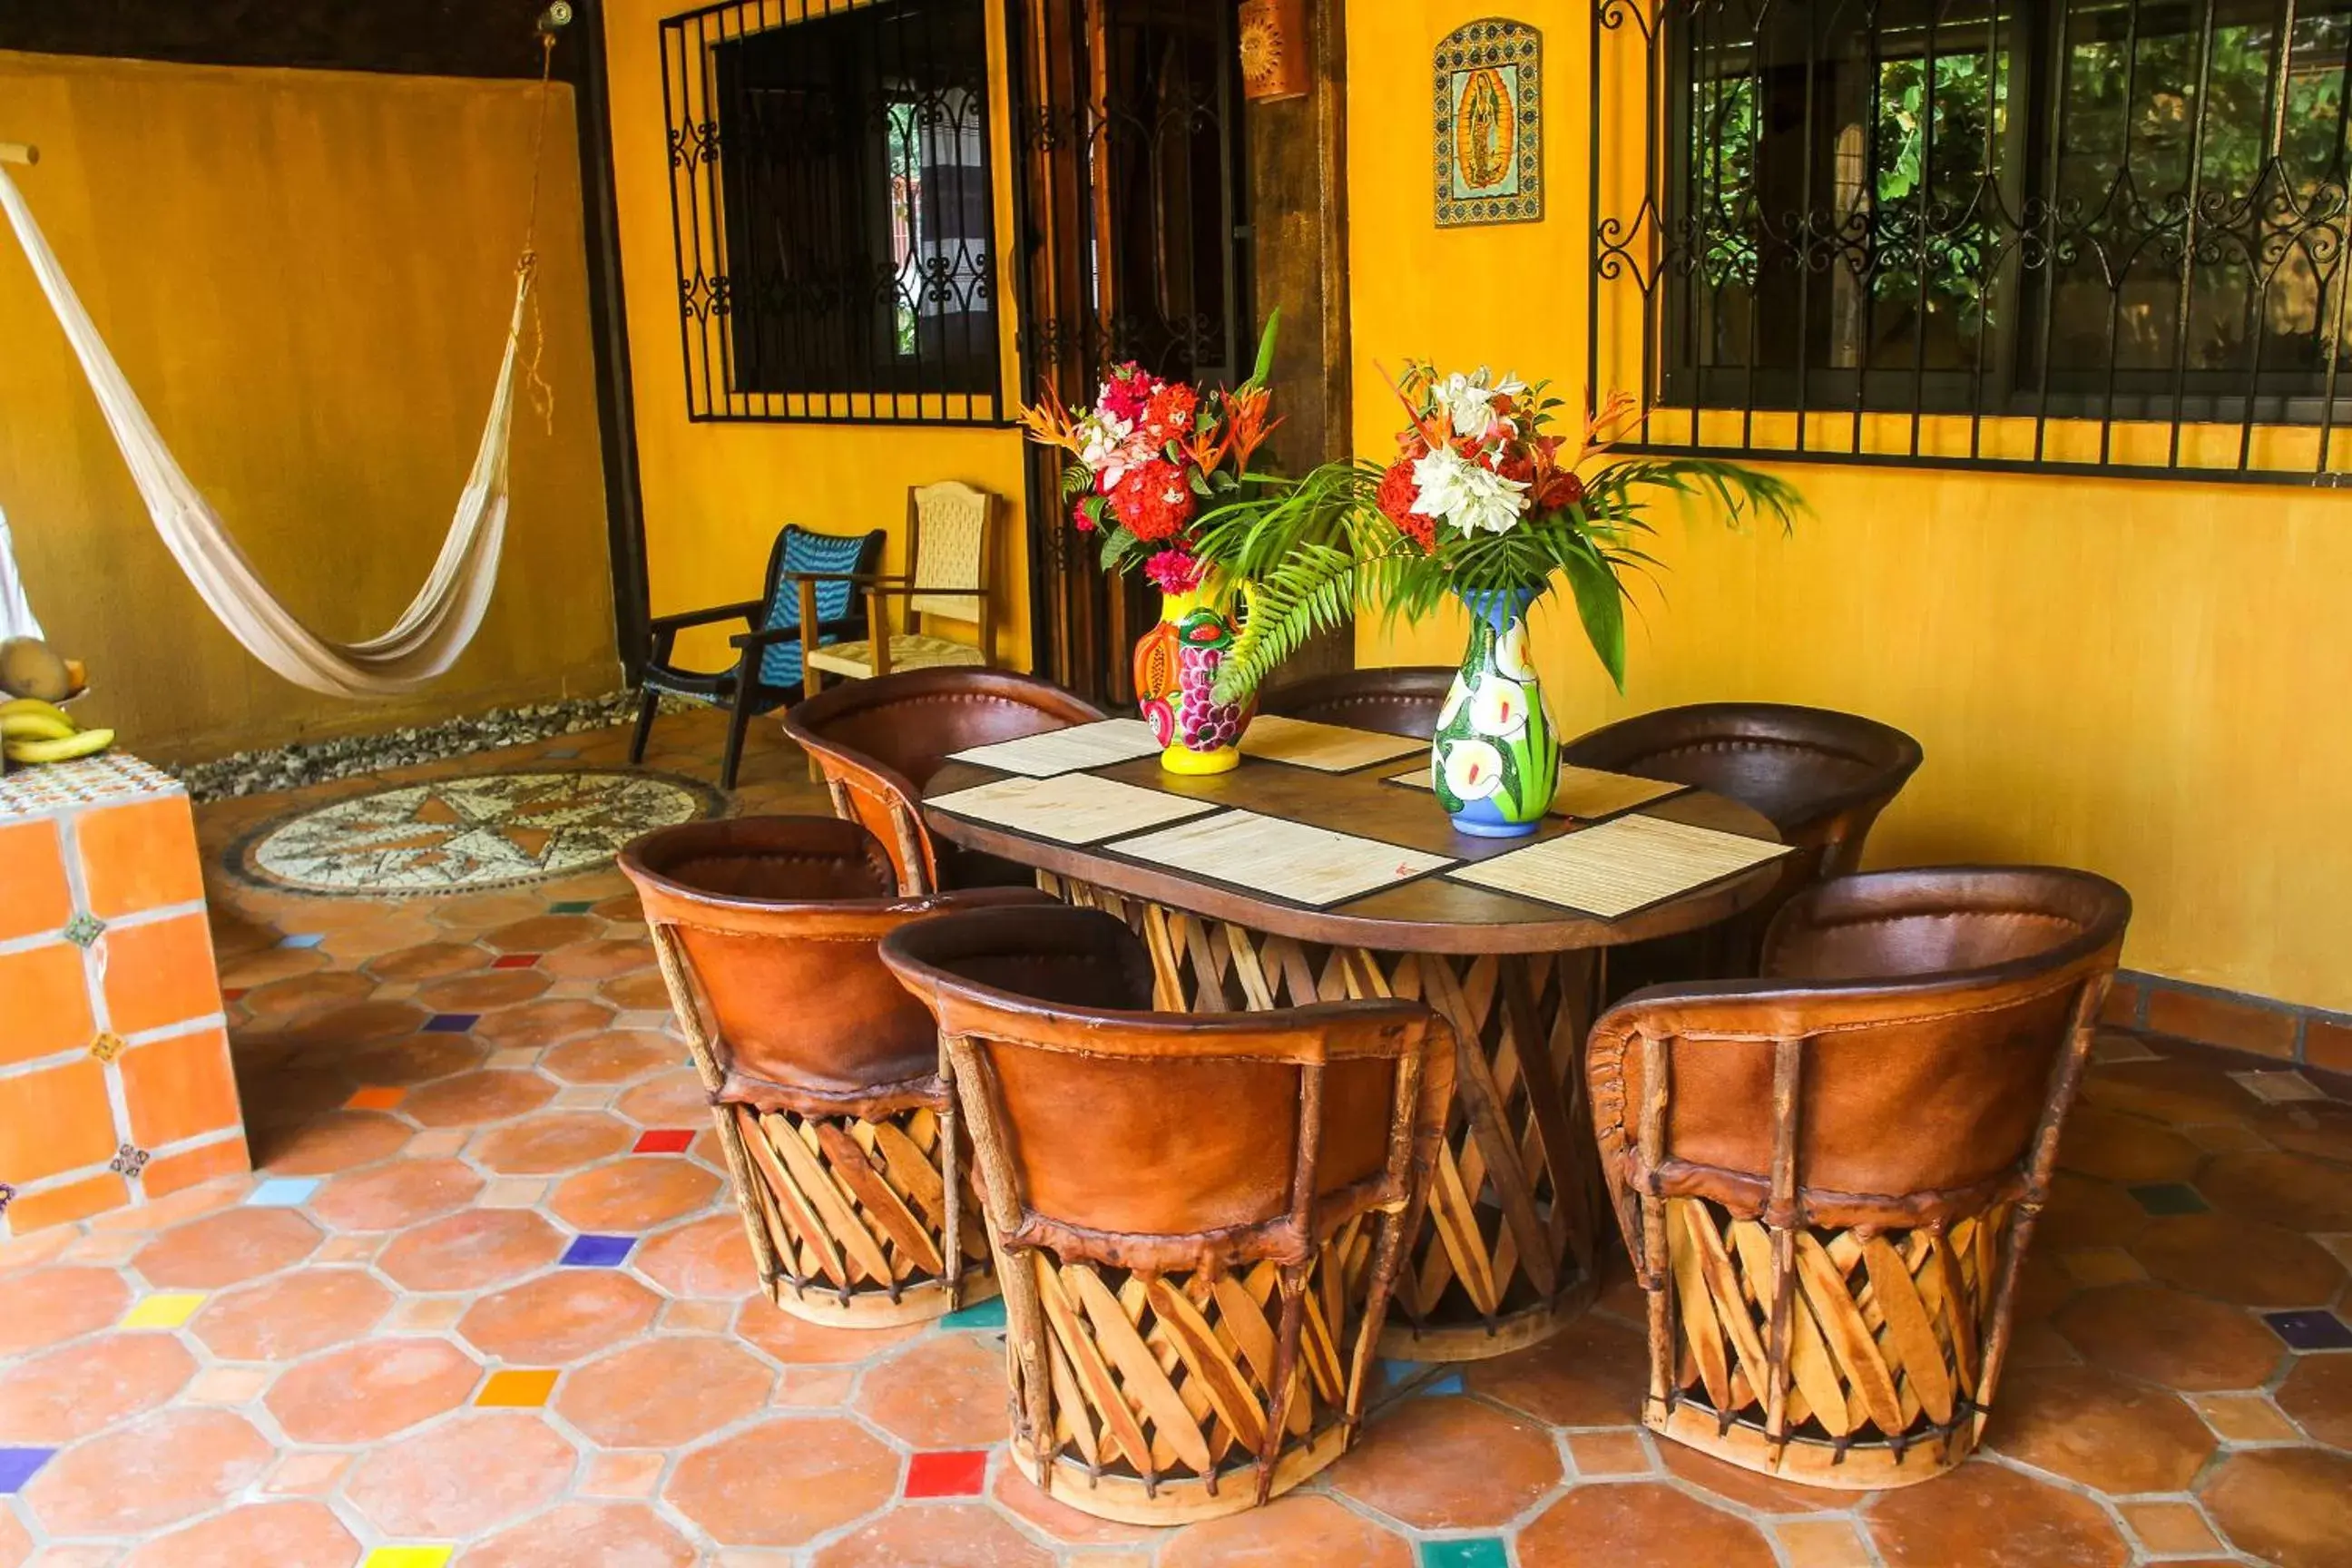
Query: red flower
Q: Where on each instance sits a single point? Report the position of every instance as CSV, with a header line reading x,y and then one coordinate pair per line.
x,y
1083,514
1397,494
1154,501
1174,572
1168,414
1564,491
1130,387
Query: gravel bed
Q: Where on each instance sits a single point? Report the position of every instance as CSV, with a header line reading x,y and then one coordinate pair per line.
x,y
315,761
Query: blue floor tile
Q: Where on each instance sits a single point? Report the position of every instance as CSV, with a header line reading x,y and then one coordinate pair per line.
x,y
1450,1383
2165,1198
283,1193
2313,1328
451,1023
302,938
598,1251
988,1314
571,907
1486,1552
17,1467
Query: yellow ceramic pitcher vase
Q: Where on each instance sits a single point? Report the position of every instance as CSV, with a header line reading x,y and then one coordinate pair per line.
x,y
1176,666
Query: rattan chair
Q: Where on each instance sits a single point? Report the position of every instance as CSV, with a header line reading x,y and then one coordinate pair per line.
x,y
1403,700
1829,1177
823,1074
878,742
1198,1218
951,541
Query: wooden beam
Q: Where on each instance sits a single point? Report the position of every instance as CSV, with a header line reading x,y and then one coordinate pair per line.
x,y
23,152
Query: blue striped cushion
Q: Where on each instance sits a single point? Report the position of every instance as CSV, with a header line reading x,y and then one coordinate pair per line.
x,y
804,552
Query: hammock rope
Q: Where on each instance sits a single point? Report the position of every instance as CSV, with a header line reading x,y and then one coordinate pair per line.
x,y
448,611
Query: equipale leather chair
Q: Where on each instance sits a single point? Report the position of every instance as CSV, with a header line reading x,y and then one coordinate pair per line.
x,y
1405,701
822,1073
1198,1218
1828,1177
879,741
1821,777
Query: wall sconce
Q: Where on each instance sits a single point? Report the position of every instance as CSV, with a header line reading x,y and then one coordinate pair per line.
x,y
1275,64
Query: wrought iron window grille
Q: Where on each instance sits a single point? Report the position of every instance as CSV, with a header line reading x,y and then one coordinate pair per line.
x,y
2089,236
832,203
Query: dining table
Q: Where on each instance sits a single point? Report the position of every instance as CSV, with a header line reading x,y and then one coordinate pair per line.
x,y
1250,890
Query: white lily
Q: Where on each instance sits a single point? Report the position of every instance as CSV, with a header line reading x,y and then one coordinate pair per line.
x,y
1472,497
1104,453
1473,770
1511,656
1468,400
1499,708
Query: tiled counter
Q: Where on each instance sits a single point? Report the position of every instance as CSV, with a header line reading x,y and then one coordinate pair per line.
x,y
115,1085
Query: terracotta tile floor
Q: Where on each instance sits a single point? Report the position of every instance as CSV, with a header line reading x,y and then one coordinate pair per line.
x,y
487,1301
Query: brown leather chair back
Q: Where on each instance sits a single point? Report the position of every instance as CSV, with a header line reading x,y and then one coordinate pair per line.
x,y
879,741
1162,1141
1403,700
1873,1122
770,927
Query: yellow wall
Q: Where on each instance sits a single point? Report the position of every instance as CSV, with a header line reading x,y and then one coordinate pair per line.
x,y
306,276
2147,678
716,493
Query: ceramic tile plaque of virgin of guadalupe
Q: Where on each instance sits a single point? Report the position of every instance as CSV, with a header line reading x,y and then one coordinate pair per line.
x,y
1490,124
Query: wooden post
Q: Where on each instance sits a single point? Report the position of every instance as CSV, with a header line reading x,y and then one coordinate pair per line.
x,y
23,152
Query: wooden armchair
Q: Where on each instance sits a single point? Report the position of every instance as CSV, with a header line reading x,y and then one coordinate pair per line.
x,y
809,600
951,532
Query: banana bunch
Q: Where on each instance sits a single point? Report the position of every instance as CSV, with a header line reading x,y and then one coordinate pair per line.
x,y
32,731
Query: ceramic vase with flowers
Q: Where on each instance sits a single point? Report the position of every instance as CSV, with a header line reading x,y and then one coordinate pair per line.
x,y
1484,504
1144,459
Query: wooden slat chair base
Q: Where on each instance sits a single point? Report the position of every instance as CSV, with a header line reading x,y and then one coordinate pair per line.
x,y
1198,1219
1829,1176
839,1131
1507,1250
853,1215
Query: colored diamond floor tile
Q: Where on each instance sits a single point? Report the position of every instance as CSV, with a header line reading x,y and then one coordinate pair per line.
x,y
487,1301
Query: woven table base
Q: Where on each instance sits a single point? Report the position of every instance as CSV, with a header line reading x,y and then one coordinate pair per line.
x,y
847,1216
1504,1253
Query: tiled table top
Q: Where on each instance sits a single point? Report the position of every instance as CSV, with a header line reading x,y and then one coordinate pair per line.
x,y
488,1302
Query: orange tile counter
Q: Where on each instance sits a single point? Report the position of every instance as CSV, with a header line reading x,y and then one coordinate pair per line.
x,y
115,1085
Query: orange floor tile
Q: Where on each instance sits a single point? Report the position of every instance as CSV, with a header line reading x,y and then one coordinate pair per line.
x,y
471,1303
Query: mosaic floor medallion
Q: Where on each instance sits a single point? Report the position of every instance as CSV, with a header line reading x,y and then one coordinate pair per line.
x,y
489,830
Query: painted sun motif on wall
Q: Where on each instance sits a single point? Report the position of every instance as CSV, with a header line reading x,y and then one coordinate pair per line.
x,y
1489,161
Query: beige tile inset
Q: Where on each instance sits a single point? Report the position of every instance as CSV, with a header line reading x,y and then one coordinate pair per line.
x,y
229,1385
2244,1418
2095,1266
698,1317
512,1193
307,1475
2224,1137
1822,1544
820,1387
514,1056
622,1475
103,1249
348,1249
2339,1244
2169,1526
426,1314
1608,1453
572,1096
438,1142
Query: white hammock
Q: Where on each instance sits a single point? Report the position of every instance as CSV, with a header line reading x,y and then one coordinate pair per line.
x,y
439,623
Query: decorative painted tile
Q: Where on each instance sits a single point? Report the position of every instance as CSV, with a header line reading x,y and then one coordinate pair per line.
x,y
107,1046
518,1390
2169,1198
1484,1553
408,1557
946,1475
451,1023
515,960
571,907
8,1197
129,1159
665,1141
988,1314
375,1100
302,938
2312,1329
283,1192
597,1251
164,1310
18,1466
83,930
2278,1088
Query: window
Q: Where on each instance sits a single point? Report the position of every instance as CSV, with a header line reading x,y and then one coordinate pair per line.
x,y
2125,216
835,211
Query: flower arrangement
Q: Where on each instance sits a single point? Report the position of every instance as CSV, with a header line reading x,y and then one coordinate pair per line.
x,y
1482,498
1146,457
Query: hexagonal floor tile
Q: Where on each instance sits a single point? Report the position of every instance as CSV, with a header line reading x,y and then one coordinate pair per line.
x,y
50,1306
631,1196
2166,1336
553,1141
367,1392
227,1248
292,1315
784,1482
427,961
463,1477
1639,1522
673,1100
330,1141
600,960
944,1392
666,1393
2119,1147
619,1056
1983,1513
1442,1462
709,1256
255,1533
2100,1429
2291,1190
2288,1506
392,1197
415,1059
1293,1531
78,1389
472,1098
614,1535
482,990
559,1318
796,1341
1590,1373
152,1472
642,991
951,1535
2239,1259
474,1249
2319,1394
544,934
536,1025
1765,1494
